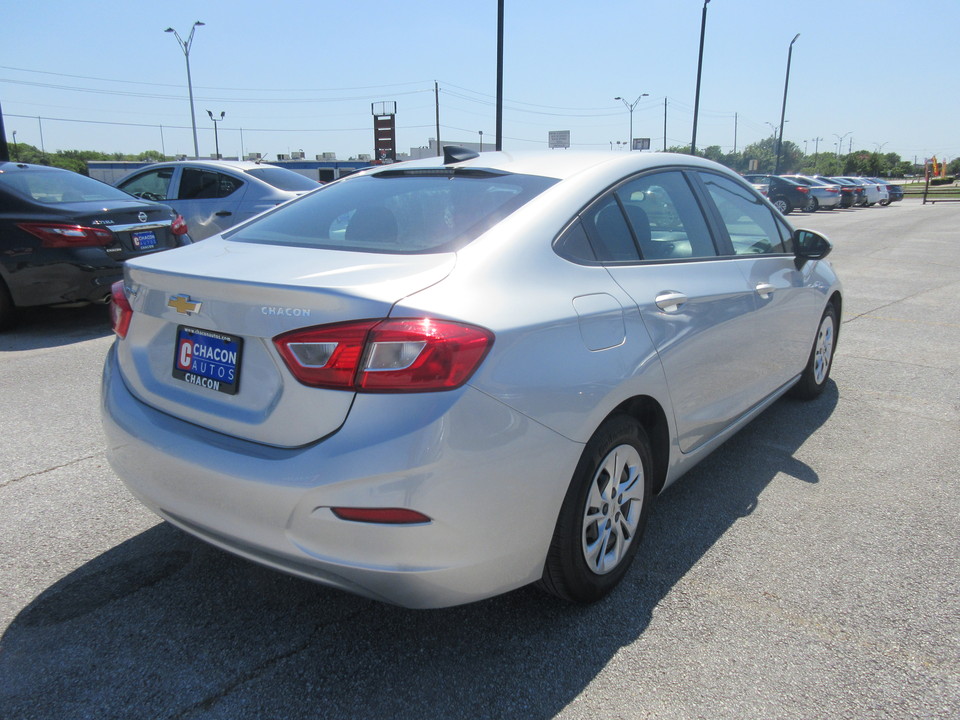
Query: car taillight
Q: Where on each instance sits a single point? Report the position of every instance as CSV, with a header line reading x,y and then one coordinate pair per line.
x,y
392,355
60,235
803,188
178,226
120,310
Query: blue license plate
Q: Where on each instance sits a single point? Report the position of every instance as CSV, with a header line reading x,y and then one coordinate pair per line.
x,y
208,359
144,239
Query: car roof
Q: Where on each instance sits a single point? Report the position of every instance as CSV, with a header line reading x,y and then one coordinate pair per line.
x,y
560,164
241,165
9,165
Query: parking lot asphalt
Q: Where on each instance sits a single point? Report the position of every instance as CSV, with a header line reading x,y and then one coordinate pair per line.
x,y
808,569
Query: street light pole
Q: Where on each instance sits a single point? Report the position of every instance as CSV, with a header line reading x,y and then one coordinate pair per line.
x,y
216,137
630,107
696,102
783,109
185,46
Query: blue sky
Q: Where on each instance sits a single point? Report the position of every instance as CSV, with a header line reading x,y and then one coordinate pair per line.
x,y
302,75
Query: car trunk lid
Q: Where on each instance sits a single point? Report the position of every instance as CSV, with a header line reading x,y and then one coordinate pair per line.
x,y
200,345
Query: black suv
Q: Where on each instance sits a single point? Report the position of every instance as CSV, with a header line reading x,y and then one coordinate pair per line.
x,y
786,195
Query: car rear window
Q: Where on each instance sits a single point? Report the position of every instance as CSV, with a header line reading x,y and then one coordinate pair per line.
x,y
284,179
410,211
54,187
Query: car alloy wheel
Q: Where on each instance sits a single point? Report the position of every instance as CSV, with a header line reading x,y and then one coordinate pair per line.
x,y
612,510
817,372
783,205
603,515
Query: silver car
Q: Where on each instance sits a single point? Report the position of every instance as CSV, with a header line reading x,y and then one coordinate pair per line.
x,y
214,195
437,381
823,195
874,192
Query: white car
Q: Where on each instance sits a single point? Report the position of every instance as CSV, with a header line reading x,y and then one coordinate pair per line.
x,y
438,381
214,195
875,193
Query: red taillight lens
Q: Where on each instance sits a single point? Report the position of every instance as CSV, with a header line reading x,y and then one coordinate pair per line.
x,y
385,516
179,226
60,235
402,355
803,188
120,311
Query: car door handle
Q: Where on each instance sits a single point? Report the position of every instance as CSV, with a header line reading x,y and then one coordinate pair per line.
x,y
765,290
223,213
670,301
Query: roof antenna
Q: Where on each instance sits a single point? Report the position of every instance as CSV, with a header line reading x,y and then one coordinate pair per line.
x,y
454,154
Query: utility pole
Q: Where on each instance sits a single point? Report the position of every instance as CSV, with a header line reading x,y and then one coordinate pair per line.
x,y
185,45
696,102
499,138
436,102
664,124
783,109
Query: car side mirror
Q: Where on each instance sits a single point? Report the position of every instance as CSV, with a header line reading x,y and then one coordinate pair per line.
x,y
810,245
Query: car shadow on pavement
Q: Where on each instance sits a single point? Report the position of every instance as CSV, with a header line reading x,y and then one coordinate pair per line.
x,y
166,626
44,327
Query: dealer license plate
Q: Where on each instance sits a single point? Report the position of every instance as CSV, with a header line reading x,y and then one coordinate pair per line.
x,y
144,239
208,359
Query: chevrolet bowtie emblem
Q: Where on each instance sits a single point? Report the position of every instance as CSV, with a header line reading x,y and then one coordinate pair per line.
x,y
183,304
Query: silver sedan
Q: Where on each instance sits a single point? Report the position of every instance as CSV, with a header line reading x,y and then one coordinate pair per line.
x,y
214,195
434,382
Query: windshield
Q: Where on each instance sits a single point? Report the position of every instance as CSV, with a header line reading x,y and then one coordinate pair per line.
x,y
397,212
54,187
284,179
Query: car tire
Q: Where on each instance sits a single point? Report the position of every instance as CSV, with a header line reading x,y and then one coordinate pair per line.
x,y
599,531
811,206
884,203
817,372
8,312
783,205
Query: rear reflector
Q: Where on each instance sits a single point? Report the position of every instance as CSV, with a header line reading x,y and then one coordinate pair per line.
x,y
383,516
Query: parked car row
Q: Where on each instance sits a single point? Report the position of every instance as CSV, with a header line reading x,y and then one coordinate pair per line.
x,y
809,194
64,236
214,195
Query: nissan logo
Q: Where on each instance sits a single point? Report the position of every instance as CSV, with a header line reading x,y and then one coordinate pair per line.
x,y
142,217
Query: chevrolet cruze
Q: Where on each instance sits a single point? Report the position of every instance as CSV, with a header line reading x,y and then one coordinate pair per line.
x,y
437,381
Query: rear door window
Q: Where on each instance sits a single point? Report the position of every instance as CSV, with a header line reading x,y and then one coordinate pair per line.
x,y
198,184
751,225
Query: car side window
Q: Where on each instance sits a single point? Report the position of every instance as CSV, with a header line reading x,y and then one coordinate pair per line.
x,y
665,217
609,234
752,226
574,245
152,185
196,184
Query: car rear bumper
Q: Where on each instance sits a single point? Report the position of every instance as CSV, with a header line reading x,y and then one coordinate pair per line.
x,y
58,276
491,480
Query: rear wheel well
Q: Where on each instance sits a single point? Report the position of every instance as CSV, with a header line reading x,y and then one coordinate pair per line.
x,y
650,414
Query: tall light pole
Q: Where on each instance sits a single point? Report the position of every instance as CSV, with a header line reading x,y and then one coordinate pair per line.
x,y
185,46
840,139
696,101
783,109
630,107
216,138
